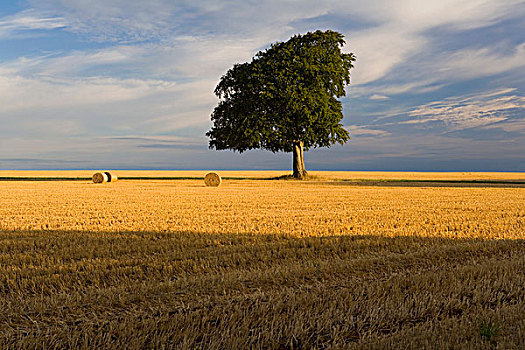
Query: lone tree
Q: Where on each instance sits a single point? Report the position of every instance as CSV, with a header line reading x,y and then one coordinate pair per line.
x,y
285,99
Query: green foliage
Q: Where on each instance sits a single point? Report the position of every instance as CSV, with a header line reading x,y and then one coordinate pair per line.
x,y
488,330
286,94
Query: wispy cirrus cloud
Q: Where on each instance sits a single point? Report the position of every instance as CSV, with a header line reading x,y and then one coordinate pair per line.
x,y
360,131
476,63
393,32
161,139
18,93
28,20
379,97
466,112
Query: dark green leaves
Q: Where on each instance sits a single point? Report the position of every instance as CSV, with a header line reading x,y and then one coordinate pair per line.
x,y
285,94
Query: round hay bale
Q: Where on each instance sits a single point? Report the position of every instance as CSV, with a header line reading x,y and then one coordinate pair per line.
x,y
212,179
100,177
111,176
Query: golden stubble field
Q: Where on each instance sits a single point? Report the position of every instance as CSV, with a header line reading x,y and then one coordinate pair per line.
x,y
260,263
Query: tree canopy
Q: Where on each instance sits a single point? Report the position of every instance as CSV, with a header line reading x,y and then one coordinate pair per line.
x,y
285,98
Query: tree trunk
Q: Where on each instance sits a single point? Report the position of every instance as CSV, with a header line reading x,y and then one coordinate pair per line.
x,y
299,171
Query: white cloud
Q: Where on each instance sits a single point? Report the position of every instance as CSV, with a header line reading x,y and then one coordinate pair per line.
x,y
168,141
28,20
417,121
361,131
75,64
459,113
379,97
476,63
398,32
416,87
378,50
19,93
458,14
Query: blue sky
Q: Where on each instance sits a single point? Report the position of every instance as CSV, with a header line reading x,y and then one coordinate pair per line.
x,y
125,84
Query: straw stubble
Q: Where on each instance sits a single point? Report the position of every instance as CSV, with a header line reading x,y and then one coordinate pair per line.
x,y
260,264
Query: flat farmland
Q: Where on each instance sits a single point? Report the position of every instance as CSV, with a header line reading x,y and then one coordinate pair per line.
x,y
327,263
321,175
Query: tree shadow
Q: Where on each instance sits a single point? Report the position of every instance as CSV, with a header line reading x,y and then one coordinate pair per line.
x,y
135,288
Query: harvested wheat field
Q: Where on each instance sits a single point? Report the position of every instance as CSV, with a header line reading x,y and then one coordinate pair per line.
x,y
254,263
